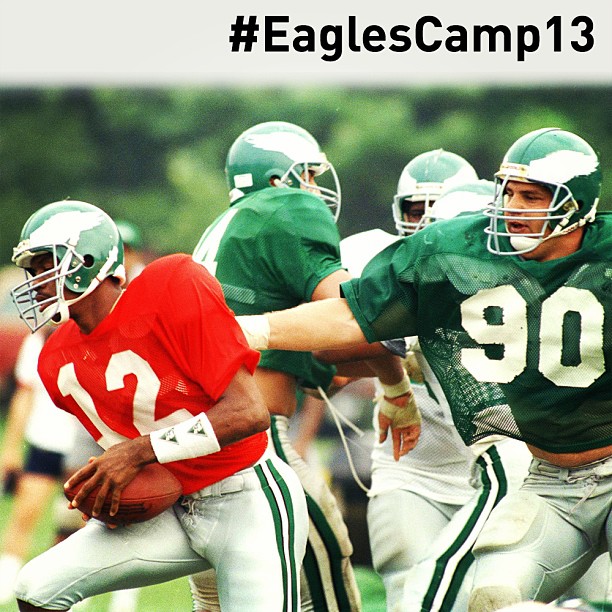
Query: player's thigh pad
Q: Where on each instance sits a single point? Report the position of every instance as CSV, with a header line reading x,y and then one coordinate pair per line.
x,y
96,559
510,522
528,550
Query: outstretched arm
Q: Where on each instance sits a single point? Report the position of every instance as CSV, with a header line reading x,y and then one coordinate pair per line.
x,y
330,324
317,325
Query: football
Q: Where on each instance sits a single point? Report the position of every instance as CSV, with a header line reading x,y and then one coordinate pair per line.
x,y
152,491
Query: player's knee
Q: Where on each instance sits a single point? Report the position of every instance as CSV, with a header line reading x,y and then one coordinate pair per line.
x,y
37,586
25,583
490,598
204,591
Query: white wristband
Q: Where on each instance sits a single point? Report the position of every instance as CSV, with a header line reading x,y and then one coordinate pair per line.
x,y
400,388
256,329
194,437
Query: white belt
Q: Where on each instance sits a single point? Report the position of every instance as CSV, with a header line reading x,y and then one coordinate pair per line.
x,y
231,484
600,468
246,478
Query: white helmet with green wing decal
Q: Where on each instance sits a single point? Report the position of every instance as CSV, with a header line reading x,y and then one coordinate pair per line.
x,y
424,179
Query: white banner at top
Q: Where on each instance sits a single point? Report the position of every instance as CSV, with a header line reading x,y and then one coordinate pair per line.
x,y
272,42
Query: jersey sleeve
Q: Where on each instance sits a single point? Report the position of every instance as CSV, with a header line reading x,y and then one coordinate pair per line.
x,y
210,343
383,300
302,244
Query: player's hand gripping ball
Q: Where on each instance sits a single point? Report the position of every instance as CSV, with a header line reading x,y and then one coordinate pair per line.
x,y
153,490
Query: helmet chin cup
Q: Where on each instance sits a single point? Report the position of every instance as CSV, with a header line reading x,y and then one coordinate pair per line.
x,y
524,244
63,311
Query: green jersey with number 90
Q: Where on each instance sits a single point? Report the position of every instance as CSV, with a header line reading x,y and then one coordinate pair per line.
x,y
269,251
521,348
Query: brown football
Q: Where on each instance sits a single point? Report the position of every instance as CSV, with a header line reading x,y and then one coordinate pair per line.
x,y
153,490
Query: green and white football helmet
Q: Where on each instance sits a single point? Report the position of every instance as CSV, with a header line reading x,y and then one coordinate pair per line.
x,y
423,179
471,197
86,248
280,153
562,162
130,234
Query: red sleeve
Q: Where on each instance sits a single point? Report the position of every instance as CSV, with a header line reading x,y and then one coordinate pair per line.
x,y
205,329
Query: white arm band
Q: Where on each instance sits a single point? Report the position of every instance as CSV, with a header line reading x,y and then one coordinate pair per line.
x,y
400,388
256,329
194,437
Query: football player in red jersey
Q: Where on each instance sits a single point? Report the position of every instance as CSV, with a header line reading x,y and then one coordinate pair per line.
x,y
158,372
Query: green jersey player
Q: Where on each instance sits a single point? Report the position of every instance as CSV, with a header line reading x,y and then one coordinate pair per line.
x,y
277,246
512,309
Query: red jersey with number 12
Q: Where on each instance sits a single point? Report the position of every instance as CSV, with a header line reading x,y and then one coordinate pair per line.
x,y
165,353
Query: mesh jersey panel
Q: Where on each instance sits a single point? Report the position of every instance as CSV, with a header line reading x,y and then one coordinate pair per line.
x,y
269,251
167,351
521,348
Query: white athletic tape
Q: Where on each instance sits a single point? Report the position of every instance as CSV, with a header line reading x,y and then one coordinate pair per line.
x,y
256,329
401,416
400,388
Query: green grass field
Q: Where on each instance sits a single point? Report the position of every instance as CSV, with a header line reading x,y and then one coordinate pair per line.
x,y
172,595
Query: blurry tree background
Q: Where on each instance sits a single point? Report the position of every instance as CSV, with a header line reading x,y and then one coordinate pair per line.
x,y
156,156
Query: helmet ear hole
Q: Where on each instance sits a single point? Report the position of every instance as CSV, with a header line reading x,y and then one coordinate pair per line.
x,y
88,261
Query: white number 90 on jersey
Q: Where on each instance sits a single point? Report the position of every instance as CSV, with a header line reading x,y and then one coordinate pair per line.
x,y
512,334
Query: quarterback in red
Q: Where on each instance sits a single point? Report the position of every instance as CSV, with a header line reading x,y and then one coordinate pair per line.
x,y
159,372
